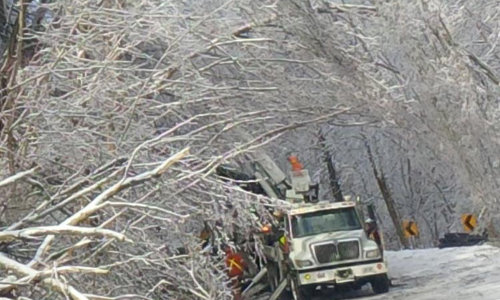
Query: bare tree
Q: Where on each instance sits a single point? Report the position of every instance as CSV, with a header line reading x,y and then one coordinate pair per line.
x,y
121,117
115,120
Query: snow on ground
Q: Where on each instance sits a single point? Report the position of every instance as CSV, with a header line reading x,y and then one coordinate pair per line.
x,y
434,274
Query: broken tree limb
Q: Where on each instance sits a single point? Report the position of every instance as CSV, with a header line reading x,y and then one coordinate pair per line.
x,y
74,269
94,205
144,206
51,283
246,28
345,7
486,69
17,176
30,233
35,216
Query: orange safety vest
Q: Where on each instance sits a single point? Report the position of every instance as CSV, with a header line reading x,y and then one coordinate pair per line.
x,y
235,263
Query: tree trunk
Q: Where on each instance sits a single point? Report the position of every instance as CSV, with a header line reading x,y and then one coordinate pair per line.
x,y
332,174
3,14
389,201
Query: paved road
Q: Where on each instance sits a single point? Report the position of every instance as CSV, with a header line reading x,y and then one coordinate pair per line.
x,y
436,274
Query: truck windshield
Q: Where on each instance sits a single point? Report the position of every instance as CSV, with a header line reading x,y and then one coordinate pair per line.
x,y
325,221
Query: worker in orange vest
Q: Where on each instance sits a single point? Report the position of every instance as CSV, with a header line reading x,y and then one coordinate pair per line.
x,y
372,232
236,268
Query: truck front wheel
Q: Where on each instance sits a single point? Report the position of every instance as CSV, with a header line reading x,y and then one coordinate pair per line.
x,y
296,290
301,292
380,284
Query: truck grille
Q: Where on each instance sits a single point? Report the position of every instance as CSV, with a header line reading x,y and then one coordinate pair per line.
x,y
348,250
331,252
325,253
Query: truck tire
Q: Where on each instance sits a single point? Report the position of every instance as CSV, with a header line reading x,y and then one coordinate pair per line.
x,y
296,290
380,284
301,292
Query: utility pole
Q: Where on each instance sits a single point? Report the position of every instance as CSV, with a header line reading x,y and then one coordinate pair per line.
x,y
332,174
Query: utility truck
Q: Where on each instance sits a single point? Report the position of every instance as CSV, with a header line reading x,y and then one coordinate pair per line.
x,y
316,245
324,245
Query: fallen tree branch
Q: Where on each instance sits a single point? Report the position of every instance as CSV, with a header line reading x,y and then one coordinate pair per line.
x,y
51,283
30,233
74,269
486,69
144,206
17,176
346,7
35,216
94,205
246,28
121,297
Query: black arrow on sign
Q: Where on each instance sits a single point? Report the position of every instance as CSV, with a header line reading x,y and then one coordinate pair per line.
x,y
467,223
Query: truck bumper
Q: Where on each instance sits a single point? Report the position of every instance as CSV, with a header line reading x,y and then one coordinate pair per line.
x,y
343,274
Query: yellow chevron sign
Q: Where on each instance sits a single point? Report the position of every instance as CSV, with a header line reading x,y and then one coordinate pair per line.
x,y
469,221
410,228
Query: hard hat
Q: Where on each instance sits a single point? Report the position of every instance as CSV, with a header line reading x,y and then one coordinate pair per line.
x,y
369,220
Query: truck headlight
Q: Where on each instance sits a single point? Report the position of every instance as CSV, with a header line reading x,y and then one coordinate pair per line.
x,y
303,263
372,253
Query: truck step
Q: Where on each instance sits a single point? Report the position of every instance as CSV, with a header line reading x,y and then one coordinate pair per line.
x,y
256,279
281,287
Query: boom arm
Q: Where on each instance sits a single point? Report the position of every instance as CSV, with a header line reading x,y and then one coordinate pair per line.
x,y
270,176
272,181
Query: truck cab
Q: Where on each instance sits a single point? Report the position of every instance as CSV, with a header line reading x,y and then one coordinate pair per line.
x,y
327,246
